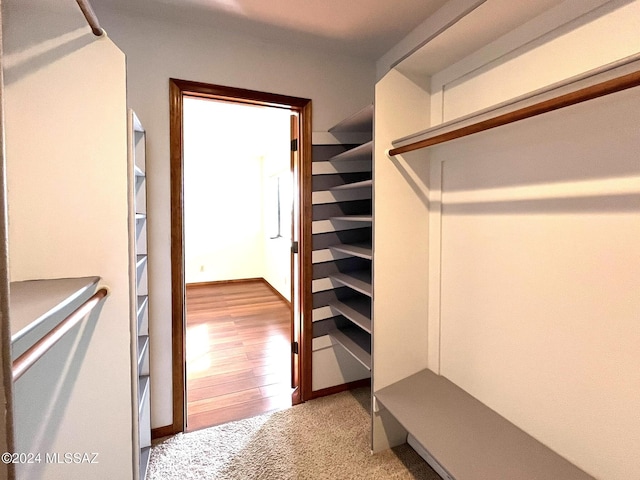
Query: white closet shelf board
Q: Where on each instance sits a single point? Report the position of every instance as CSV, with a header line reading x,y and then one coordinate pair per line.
x,y
360,152
362,250
465,437
143,391
355,341
484,24
354,218
359,122
348,186
356,309
44,303
143,347
359,280
137,125
144,461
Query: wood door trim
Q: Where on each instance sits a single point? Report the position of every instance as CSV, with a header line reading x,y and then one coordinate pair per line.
x,y
177,90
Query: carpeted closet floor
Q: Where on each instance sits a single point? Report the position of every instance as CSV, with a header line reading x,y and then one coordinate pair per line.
x,y
326,438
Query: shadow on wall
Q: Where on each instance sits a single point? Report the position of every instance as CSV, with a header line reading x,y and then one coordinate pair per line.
x,y
32,41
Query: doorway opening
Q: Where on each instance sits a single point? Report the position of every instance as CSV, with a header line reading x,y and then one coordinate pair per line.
x,y
240,182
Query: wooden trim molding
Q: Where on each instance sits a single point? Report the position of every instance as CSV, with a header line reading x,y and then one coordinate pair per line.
x,y
177,260
224,282
178,89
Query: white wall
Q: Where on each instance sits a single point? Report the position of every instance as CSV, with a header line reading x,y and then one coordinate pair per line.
x,y
232,157
540,270
276,164
156,51
66,147
223,223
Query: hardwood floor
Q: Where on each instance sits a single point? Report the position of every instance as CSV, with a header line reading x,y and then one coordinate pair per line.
x,y
238,352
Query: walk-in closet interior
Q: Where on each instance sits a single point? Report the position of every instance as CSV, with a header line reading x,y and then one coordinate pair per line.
x,y
475,224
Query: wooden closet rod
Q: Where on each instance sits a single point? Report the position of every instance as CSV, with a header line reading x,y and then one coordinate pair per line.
x,y
588,93
91,17
37,350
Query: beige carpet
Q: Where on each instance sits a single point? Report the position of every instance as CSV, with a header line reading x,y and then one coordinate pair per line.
x,y
327,438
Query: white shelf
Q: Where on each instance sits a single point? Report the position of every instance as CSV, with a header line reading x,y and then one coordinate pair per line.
x,y
141,259
467,438
143,391
362,250
144,461
141,314
143,348
354,218
138,171
356,342
357,310
360,152
354,185
359,280
37,306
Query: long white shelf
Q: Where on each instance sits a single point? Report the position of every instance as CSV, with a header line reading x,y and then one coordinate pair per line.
x,y
360,152
356,342
143,391
144,461
143,347
36,306
348,186
356,309
358,280
465,437
362,250
354,218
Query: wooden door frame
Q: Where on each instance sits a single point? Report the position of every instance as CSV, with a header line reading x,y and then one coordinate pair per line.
x,y
178,89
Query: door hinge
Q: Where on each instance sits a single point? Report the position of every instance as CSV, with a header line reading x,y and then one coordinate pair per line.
x,y
294,347
294,145
294,247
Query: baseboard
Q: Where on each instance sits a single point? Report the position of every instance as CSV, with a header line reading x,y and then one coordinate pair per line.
x,y
282,297
166,431
365,382
223,282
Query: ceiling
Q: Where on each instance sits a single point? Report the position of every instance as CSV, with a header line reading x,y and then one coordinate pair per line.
x,y
365,28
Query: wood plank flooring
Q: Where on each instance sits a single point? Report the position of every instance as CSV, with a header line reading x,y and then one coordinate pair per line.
x,y
238,352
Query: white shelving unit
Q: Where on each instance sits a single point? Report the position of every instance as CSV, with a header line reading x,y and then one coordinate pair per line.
x,y
355,334
342,255
139,296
